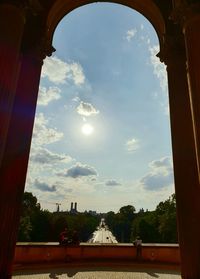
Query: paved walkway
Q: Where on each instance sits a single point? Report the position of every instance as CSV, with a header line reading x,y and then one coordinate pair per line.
x,y
98,272
102,234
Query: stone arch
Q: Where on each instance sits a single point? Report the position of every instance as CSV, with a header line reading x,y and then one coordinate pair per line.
x,y
146,7
167,21
27,29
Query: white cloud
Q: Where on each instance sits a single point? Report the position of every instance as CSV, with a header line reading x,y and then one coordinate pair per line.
x,y
58,71
132,145
76,73
79,170
86,109
164,163
130,34
45,156
45,96
160,175
55,69
112,182
76,99
43,134
159,68
43,186
145,39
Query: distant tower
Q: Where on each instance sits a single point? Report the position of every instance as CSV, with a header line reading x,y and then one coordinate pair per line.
x,y
58,207
73,209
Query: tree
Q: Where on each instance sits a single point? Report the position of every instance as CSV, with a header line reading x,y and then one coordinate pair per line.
x,y
145,226
120,223
29,203
30,207
25,228
152,226
158,225
166,212
41,230
126,217
127,212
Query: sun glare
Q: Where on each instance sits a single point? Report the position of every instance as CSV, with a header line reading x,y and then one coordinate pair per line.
x,y
87,129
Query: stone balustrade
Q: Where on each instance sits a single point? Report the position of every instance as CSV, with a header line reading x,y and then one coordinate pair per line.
x,y
31,253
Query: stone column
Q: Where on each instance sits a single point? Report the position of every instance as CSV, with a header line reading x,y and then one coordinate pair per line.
x,y
191,29
11,30
187,187
15,158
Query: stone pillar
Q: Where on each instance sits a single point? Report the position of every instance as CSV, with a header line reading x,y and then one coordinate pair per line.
x,y
15,158
11,30
187,187
191,31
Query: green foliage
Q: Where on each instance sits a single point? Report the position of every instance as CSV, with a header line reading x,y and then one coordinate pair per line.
x,y
145,226
152,226
41,225
166,212
158,226
127,211
25,228
120,223
29,204
83,223
30,207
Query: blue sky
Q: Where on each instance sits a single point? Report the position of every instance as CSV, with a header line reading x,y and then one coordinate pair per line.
x,y
102,134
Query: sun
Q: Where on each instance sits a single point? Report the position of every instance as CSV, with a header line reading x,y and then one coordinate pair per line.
x,y
87,129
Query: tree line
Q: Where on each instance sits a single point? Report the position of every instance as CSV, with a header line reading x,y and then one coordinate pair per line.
x,y
158,226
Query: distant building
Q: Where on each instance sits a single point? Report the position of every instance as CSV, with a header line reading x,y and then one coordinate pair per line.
x,y
102,234
73,208
91,212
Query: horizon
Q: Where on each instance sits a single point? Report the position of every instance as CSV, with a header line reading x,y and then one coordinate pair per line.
x,y
54,210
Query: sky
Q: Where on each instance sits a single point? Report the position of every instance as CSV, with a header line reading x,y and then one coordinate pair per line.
x,y
101,135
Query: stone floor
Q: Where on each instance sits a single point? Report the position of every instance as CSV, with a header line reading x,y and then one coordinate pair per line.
x,y
100,272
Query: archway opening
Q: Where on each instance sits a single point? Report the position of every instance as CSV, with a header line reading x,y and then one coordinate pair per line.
x,y
101,136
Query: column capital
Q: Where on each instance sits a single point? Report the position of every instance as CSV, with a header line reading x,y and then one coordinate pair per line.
x,y
39,51
185,12
26,7
32,5
44,48
172,50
